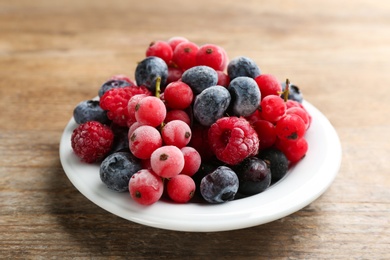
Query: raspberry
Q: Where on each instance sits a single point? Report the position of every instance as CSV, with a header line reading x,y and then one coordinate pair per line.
x,y
92,141
116,100
233,139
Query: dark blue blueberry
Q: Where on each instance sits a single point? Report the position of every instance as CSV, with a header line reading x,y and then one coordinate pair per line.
x,y
148,70
245,96
199,78
293,92
276,161
113,84
219,186
117,169
243,66
90,110
211,104
254,176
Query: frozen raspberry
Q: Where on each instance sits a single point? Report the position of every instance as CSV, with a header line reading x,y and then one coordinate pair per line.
x,y
116,100
233,139
92,141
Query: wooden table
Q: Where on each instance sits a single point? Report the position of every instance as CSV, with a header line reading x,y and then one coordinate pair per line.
x,y
54,54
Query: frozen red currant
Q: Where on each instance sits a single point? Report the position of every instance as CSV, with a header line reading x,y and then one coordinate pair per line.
x,y
145,187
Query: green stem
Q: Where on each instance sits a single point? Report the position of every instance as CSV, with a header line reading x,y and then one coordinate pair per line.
x,y
286,90
158,89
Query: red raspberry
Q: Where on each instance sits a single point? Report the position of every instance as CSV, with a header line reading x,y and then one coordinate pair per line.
x,y
116,100
92,141
233,139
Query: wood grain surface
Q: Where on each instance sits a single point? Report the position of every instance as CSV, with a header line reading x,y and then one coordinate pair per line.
x,y
54,54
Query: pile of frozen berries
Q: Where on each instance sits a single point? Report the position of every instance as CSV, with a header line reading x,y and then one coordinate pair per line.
x,y
192,125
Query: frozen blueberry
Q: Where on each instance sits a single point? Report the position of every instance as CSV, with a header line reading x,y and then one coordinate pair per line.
x,y
148,70
245,96
276,161
254,176
113,84
294,92
90,110
200,78
211,104
219,186
243,66
117,169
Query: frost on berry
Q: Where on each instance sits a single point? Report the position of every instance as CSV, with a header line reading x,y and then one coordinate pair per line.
x,y
233,139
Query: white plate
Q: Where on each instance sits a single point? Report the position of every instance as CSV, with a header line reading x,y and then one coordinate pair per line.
x,y
303,184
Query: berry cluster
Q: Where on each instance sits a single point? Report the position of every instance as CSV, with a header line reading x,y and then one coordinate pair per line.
x,y
192,122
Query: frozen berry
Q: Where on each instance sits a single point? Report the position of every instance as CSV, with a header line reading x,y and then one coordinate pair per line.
x,y
181,188
177,133
254,176
211,104
148,70
123,78
131,106
223,79
268,85
150,111
184,55
160,49
144,140
145,187
245,96
213,56
90,110
219,186
233,139
174,74
276,161
243,66
167,161
177,115
117,169
272,108
290,127
176,40
192,160
92,141
294,150
266,133
199,78
178,95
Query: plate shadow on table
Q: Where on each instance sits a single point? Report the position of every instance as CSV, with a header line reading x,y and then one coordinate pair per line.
x,y
92,231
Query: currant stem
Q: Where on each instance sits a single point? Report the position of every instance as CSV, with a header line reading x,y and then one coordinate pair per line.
x,y
286,90
158,89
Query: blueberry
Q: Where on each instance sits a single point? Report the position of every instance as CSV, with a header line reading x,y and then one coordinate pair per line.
x,y
220,185
245,96
113,84
200,78
294,92
90,110
211,104
254,176
243,66
148,70
117,169
276,161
